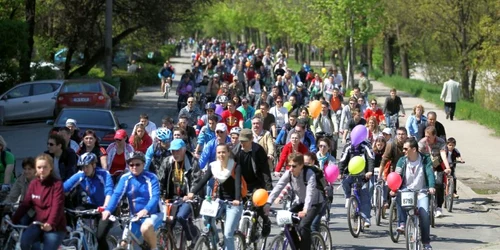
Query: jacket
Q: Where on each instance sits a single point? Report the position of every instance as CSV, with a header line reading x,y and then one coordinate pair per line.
x,y
192,175
205,135
412,126
46,197
287,150
266,141
142,191
309,141
378,113
155,154
111,151
67,163
318,125
429,172
393,152
451,91
364,150
208,153
96,187
18,190
145,142
260,167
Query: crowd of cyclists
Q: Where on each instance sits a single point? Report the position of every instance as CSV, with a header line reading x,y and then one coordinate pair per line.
x,y
256,123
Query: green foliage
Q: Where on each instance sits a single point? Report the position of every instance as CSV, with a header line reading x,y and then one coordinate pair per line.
x,y
465,110
148,75
44,48
376,74
13,46
43,73
128,85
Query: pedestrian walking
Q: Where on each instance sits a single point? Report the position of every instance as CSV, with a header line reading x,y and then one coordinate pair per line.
x,y
449,95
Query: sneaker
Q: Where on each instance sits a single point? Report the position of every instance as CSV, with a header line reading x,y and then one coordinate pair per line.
x,y
367,223
427,247
346,203
401,228
456,196
439,212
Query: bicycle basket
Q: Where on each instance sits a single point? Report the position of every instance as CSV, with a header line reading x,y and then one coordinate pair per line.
x,y
283,217
408,200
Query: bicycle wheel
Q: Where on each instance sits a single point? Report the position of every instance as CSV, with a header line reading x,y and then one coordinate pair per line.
x,y
112,241
244,229
378,204
164,239
411,234
277,243
239,241
353,217
432,209
393,222
317,241
203,243
449,195
326,235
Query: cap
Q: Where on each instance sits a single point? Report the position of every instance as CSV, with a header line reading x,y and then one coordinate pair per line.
x,y
221,127
246,135
387,131
244,100
71,122
216,76
177,144
235,130
120,134
136,155
300,84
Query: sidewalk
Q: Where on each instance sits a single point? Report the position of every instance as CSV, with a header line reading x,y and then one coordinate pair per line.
x,y
475,142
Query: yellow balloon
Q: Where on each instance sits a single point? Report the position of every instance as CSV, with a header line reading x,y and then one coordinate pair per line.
x,y
324,70
257,111
356,165
315,108
288,106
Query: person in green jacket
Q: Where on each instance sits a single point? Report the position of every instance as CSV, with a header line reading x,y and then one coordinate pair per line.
x,y
416,171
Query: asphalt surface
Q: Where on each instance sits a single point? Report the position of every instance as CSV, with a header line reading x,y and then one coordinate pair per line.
x,y
470,226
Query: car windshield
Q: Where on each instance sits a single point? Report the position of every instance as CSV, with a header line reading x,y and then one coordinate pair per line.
x,y
86,118
71,87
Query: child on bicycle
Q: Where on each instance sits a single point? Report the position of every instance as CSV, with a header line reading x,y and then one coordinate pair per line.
x,y
454,156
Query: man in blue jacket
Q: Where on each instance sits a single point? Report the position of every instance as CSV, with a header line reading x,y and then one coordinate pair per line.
x,y
208,153
143,193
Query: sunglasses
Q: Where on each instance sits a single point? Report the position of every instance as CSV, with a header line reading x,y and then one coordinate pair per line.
x,y
219,132
352,103
293,166
118,140
50,144
405,149
374,103
134,165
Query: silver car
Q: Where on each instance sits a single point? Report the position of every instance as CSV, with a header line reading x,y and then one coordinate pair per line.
x,y
31,100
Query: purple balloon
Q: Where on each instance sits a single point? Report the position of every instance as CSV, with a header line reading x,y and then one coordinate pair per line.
x,y
189,88
219,109
358,135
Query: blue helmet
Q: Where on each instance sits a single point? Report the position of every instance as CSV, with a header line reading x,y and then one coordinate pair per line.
x,y
86,159
210,105
164,134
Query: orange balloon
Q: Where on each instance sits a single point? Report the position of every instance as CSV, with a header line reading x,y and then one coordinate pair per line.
x,y
247,64
259,197
315,108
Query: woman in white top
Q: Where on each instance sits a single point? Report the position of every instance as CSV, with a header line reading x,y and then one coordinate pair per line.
x,y
280,113
316,87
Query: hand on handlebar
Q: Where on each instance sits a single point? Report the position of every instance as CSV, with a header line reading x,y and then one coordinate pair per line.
x,y
277,174
432,190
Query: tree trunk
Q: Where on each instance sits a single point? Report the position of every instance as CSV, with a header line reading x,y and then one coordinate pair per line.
x,y
296,53
405,67
67,63
322,55
389,41
370,57
473,84
25,61
464,80
341,56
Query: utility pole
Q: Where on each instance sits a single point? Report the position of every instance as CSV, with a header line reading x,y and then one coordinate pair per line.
x,y
108,43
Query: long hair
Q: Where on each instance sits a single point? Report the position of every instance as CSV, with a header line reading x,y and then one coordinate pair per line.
x,y
49,160
137,139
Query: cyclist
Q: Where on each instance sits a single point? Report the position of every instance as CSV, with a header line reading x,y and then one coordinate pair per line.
x,y
91,144
118,152
393,151
294,146
453,156
185,89
209,151
7,162
227,172
325,159
416,121
416,171
310,200
166,73
203,120
306,135
206,134
143,193
19,187
364,150
183,174
65,160
44,195
283,134
158,152
192,112
328,124
392,106
98,185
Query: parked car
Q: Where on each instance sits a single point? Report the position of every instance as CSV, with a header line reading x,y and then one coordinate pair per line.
x,y
88,93
30,100
102,121
113,93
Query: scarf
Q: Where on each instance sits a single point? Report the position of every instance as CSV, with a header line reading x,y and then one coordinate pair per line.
x,y
322,160
221,174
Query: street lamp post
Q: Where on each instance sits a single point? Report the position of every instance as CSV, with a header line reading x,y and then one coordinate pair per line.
x,y
108,42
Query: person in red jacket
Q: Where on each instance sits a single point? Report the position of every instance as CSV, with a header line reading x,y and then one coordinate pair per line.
x,y
140,140
294,146
374,110
46,196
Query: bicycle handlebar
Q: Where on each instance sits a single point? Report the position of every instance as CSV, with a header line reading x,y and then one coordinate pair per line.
x,y
83,212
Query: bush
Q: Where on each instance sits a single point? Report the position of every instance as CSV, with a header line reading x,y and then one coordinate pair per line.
x,y
465,110
128,85
148,75
376,74
159,57
43,73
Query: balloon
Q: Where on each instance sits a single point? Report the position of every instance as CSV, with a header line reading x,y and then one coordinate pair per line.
x,y
257,111
219,109
247,64
259,197
189,88
394,181
288,106
323,70
358,135
331,173
315,108
356,165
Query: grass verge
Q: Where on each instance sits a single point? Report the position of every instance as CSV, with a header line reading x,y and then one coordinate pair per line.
x,y
465,110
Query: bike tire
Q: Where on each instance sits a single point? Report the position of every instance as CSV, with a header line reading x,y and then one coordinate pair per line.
x,y
277,243
327,236
353,217
393,222
450,197
432,210
165,239
317,241
202,243
239,241
378,205
411,234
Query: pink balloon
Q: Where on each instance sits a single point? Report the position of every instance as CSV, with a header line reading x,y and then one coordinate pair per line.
x,y
331,173
358,135
394,181
219,109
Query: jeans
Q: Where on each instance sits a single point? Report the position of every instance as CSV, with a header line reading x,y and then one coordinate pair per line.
x,y
365,205
449,108
317,220
388,121
306,223
183,214
34,234
423,214
233,215
103,228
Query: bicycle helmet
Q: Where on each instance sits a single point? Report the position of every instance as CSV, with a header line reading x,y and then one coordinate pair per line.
x,y
137,155
164,134
210,105
86,159
222,99
235,130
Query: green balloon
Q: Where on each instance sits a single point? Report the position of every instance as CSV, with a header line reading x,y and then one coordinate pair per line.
x,y
356,165
288,106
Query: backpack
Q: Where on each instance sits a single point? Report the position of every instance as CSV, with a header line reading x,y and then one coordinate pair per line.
x,y
320,178
244,188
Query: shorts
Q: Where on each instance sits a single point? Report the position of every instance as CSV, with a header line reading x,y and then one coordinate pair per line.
x,y
155,219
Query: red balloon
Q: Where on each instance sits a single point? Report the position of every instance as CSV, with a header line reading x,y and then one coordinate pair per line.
x,y
394,181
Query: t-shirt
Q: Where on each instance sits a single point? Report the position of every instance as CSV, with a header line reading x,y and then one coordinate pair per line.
x,y
268,121
435,148
392,106
9,159
118,163
231,119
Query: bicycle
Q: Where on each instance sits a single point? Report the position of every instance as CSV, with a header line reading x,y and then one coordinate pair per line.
x,y
393,221
167,87
171,234
432,209
449,191
84,232
393,121
289,236
324,229
354,217
409,200
209,237
377,199
128,238
250,227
